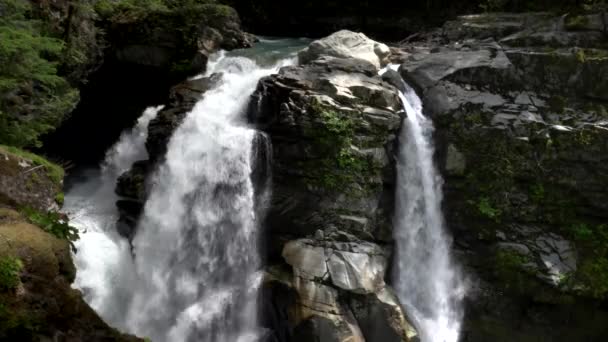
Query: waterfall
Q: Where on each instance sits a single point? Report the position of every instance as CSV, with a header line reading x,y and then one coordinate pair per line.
x,y
426,281
196,248
91,204
194,270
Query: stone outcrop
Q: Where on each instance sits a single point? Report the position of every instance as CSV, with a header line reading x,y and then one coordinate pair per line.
x,y
332,122
36,300
29,180
519,104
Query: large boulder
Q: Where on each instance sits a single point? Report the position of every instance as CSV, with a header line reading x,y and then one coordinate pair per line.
x,y
347,44
522,140
332,121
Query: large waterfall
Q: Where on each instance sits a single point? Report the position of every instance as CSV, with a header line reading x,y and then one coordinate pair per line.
x,y
426,281
193,273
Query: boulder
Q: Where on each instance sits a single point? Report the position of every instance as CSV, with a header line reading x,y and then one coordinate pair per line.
x,y
332,121
348,45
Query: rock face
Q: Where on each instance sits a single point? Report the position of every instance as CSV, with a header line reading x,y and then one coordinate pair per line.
x,y
332,121
522,140
29,181
36,300
147,51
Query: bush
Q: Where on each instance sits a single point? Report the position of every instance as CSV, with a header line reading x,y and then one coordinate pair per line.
x,y
54,223
10,267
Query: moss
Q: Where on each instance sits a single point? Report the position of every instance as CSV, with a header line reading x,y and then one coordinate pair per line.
x,y
53,171
52,222
339,165
576,22
593,273
10,268
60,198
486,209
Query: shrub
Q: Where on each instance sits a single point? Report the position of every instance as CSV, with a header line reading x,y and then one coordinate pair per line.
x,y
54,223
10,267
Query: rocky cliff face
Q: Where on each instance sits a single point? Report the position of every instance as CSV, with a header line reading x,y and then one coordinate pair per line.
x,y
519,103
332,122
142,52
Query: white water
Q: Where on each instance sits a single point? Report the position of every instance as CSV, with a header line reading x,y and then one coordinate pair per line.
x,y
196,246
427,283
195,274
91,206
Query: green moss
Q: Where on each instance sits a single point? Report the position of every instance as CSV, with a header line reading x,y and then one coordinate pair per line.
x,y
60,198
537,193
487,210
52,222
53,171
10,268
576,22
580,56
594,275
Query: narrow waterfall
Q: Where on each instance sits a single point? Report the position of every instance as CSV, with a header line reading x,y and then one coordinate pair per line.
x,y
426,281
193,274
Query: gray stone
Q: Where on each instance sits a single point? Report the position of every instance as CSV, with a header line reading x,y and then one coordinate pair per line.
x,y
346,44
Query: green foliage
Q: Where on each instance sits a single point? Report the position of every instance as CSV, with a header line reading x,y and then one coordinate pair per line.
x,y
10,267
52,222
33,97
581,232
53,171
60,198
485,208
537,192
594,274
342,165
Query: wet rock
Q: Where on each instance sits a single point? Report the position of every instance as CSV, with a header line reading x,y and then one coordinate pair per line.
x,y
182,99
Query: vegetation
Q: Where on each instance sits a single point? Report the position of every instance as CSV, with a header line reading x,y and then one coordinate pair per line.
x,y
34,99
53,171
10,267
487,210
53,222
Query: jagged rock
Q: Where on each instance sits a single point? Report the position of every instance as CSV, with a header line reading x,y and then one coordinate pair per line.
x,y
355,267
522,135
301,109
332,121
178,40
348,45
132,184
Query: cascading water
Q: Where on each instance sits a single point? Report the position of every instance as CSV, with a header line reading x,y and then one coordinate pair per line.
x,y
102,253
194,275
196,246
426,281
